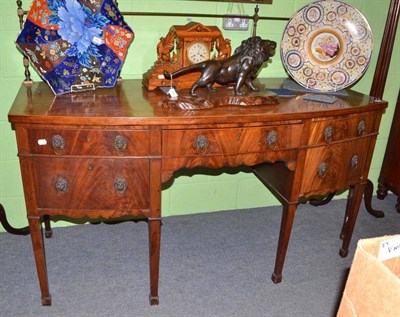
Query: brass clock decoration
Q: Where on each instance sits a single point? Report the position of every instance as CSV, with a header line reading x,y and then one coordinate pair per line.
x,y
185,45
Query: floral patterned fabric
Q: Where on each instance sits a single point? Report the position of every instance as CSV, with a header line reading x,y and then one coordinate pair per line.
x,y
75,44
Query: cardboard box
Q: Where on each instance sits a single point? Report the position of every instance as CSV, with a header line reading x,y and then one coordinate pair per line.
x,y
373,286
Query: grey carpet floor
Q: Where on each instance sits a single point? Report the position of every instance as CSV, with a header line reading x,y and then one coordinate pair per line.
x,y
212,264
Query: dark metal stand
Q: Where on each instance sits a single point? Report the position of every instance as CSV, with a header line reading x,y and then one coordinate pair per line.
x,y
48,232
23,231
321,202
369,188
10,229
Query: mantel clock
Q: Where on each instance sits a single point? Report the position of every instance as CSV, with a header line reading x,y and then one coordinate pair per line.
x,y
185,45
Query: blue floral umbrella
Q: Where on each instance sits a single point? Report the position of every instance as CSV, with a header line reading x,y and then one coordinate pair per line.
x,y
75,45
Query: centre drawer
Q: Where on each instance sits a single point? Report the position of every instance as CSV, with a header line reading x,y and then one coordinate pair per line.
x,y
230,141
89,142
91,184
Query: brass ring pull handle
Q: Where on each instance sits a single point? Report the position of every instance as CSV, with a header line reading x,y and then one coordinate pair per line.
x,y
58,144
361,127
322,168
61,186
201,144
120,144
272,139
328,133
120,185
354,161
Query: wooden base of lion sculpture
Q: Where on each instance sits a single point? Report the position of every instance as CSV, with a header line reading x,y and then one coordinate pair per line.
x,y
240,69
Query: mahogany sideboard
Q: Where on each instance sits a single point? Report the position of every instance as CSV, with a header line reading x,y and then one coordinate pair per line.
x,y
105,154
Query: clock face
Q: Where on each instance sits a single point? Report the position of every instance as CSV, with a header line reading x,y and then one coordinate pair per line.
x,y
197,52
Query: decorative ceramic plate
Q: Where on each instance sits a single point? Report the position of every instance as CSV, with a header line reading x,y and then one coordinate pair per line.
x,y
327,45
75,45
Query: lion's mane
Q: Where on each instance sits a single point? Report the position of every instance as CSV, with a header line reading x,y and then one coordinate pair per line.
x,y
253,48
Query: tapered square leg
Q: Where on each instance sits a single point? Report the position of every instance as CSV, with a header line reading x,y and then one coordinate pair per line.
x,y
154,251
284,236
38,251
353,205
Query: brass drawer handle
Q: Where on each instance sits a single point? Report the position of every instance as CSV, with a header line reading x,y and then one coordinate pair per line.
x,y
328,133
361,127
354,161
58,144
272,139
201,144
120,185
322,168
61,186
120,144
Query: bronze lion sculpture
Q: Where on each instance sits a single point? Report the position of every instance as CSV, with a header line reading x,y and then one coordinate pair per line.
x,y
240,68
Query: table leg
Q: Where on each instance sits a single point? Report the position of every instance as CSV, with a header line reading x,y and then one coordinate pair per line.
x,y
38,250
154,252
353,205
284,236
346,217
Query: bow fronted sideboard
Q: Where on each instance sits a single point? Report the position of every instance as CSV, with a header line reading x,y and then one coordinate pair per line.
x,y
105,154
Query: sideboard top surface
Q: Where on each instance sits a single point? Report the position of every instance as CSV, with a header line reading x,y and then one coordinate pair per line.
x,y
128,103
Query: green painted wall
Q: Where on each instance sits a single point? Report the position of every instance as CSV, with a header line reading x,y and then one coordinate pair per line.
x,y
209,190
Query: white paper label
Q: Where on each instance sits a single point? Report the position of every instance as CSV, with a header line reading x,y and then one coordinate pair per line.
x,y
160,76
389,249
96,40
42,141
172,93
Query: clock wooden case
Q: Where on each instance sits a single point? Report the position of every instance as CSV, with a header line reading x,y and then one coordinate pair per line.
x,y
185,45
